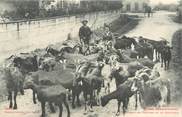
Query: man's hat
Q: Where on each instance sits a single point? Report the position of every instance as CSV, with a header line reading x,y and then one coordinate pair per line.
x,y
85,21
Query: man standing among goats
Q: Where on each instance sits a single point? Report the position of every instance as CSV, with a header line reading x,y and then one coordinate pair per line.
x,y
108,36
85,34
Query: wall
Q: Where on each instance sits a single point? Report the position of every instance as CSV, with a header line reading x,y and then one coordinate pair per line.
x,y
177,49
132,4
39,34
5,6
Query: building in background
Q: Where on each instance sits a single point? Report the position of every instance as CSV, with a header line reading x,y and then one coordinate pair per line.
x,y
167,7
67,4
19,9
135,5
58,3
98,5
179,12
47,4
32,9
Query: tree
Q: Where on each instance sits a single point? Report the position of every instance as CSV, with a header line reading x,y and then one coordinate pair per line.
x,y
180,2
179,12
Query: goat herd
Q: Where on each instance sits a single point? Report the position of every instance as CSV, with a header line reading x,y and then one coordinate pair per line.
x,y
67,70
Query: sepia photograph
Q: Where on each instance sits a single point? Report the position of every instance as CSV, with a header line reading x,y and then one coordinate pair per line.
x,y
90,58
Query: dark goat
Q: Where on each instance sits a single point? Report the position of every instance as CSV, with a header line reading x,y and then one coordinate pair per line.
x,y
93,81
124,42
47,82
122,94
157,46
152,92
59,50
29,64
52,51
166,57
52,94
47,63
64,78
14,83
124,71
119,78
144,49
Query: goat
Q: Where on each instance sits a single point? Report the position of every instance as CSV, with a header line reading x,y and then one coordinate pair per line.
x,y
152,92
166,57
47,63
119,78
122,94
91,82
26,65
14,83
64,78
52,94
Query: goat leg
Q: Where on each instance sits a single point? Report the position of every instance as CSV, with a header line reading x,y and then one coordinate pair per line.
x,y
156,55
60,110
168,63
85,98
127,104
43,108
168,94
73,100
15,105
98,96
119,104
127,101
10,98
124,106
21,88
136,101
67,107
165,65
162,62
34,99
108,84
69,95
51,107
78,100
92,99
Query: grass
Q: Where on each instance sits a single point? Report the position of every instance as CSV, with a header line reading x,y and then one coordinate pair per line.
x,y
177,62
175,19
124,24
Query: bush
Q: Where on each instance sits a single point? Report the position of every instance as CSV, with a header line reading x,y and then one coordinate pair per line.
x,y
34,11
177,49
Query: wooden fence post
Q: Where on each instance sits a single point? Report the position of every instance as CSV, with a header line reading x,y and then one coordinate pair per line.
x,y
18,26
6,26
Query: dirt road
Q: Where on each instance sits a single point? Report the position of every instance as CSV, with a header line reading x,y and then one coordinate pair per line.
x,y
157,27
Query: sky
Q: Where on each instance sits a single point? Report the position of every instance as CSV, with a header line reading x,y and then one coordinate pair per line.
x,y
163,1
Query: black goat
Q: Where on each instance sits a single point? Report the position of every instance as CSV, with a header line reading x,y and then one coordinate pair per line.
x,y
64,78
14,83
122,94
166,57
52,94
153,92
26,65
119,78
92,82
